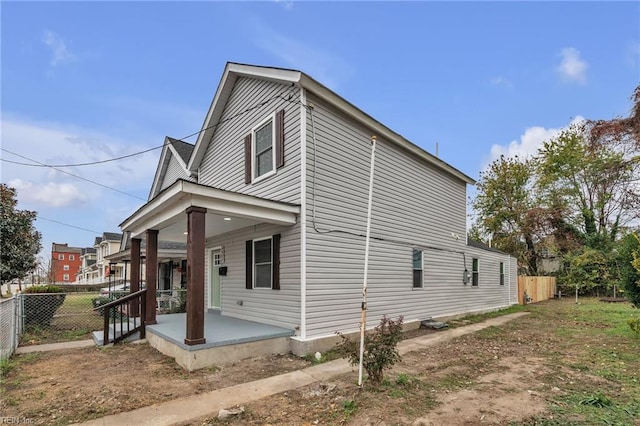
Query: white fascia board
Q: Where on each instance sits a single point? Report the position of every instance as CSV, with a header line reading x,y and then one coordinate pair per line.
x,y
160,170
380,129
167,208
231,73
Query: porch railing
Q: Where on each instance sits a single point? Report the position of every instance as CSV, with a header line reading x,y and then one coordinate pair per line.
x,y
126,315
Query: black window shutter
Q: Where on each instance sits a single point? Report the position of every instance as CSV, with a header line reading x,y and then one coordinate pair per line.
x,y
249,267
247,159
276,262
280,139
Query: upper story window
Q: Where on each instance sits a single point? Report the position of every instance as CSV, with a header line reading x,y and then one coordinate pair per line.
x,y
417,268
263,157
65,267
72,257
475,273
264,148
61,257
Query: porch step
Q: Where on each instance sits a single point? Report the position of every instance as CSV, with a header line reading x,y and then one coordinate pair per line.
x,y
98,336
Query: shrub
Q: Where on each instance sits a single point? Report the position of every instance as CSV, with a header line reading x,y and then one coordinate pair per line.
x,y
634,325
41,303
99,301
380,348
628,256
43,289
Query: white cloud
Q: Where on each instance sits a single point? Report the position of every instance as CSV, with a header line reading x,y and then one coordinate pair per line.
x,y
286,4
327,67
55,143
528,144
501,81
48,194
572,68
59,51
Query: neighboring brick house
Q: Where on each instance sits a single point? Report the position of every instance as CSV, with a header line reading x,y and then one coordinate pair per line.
x,y
66,262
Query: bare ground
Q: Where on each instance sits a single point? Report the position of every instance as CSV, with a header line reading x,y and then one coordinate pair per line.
x,y
510,374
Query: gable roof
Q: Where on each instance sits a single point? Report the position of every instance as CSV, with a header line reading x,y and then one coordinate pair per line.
x,y
181,151
111,236
483,246
233,71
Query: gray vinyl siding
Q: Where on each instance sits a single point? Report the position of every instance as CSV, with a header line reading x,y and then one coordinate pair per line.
x,y
414,204
173,173
223,162
513,273
275,307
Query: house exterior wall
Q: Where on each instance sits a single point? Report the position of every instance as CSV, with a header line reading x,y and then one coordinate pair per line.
x,y
173,173
413,205
223,163
65,262
275,307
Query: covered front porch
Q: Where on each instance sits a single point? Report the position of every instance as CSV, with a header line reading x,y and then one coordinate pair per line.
x,y
192,213
227,339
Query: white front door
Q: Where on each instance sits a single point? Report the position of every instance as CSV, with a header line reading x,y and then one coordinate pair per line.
x,y
214,279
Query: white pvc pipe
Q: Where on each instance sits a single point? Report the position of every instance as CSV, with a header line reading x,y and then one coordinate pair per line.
x,y
363,320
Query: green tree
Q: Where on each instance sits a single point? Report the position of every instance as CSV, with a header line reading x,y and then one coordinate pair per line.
x,y
595,182
19,240
628,262
507,211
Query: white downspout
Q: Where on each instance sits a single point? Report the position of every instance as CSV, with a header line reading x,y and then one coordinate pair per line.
x,y
363,321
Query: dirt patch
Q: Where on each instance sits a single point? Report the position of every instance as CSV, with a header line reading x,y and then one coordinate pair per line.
x,y
74,385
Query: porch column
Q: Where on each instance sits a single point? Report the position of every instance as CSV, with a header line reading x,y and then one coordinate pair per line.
x,y
195,275
135,272
151,275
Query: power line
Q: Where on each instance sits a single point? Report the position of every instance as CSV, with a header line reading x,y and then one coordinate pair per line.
x,y
93,163
222,121
69,225
74,175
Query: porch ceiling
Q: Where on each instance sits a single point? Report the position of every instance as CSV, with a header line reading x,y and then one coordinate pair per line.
x,y
166,212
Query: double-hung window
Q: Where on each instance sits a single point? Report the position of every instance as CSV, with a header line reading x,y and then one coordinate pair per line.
x,y
65,267
475,273
263,149
72,257
418,267
61,257
263,263
501,273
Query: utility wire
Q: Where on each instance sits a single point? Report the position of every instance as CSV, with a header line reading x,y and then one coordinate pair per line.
x,y
93,163
70,226
74,175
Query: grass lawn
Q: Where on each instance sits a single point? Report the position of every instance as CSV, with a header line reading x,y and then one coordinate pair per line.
x,y
74,320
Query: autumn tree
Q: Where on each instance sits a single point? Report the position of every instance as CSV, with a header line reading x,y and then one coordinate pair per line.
x,y
507,210
19,240
596,181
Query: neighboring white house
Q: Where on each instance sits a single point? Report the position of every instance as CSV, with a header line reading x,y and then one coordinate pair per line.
x,y
96,268
275,192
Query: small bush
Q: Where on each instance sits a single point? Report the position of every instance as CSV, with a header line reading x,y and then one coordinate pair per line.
x,y
99,301
44,289
380,348
634,325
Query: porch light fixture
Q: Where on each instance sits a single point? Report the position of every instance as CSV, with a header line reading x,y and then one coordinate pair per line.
x,y
227,218
185,233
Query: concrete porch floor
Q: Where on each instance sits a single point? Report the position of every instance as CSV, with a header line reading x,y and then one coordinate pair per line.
x,y
227,339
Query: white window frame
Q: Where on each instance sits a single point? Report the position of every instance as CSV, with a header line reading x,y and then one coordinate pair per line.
x,y
65,277
414,269
61,256
72,257
65,268
254,178
254,274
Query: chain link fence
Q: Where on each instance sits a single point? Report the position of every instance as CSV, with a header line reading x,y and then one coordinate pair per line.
x,y
10,326
58,317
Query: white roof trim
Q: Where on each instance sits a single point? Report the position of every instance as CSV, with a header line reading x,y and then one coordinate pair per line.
x,y
173,201
233,70
163,163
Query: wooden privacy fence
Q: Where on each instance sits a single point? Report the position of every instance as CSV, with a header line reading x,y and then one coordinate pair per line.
x,y
537,288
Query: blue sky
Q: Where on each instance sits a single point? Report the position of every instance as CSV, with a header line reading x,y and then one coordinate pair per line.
x,y
86,81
